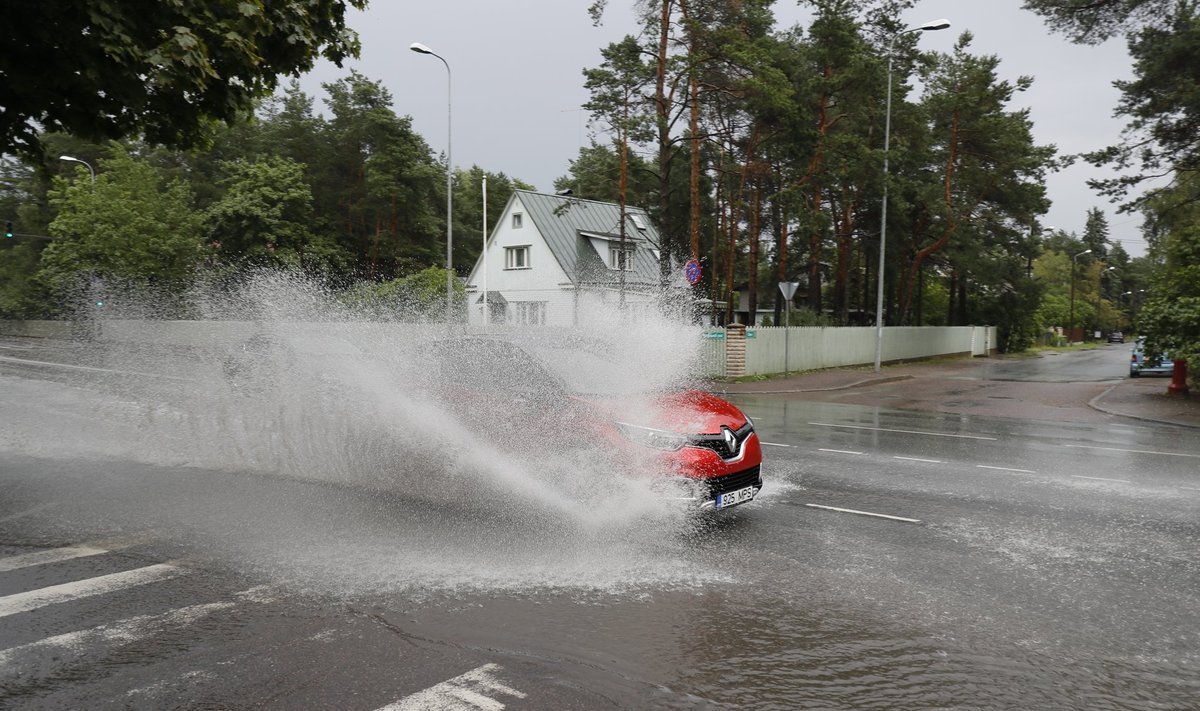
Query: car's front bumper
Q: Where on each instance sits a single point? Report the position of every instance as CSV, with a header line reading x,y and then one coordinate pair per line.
x,y
713,489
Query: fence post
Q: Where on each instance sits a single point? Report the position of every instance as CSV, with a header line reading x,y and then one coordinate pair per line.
x,y
735,350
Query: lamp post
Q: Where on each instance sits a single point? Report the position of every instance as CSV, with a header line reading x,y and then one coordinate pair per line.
x,y
89,167
422,49
1071,320
887,130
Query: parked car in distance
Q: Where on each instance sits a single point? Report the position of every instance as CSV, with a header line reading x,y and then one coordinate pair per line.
x,y
1116,337
1141,363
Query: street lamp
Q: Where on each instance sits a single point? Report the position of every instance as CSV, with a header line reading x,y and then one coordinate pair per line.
x,y
89,167
422,49
887,130
1071,320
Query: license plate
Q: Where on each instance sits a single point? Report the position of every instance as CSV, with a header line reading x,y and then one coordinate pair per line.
x,y
734,498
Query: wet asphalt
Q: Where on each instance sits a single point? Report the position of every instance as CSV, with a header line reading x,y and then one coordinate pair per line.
x,y
988,540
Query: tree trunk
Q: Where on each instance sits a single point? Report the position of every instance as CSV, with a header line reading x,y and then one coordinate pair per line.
x,y
662,111
844,231
910,279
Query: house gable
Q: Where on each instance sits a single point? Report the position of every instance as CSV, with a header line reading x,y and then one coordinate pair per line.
x,y
543,248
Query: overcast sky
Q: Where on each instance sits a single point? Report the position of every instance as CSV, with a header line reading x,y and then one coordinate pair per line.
x,y
517,82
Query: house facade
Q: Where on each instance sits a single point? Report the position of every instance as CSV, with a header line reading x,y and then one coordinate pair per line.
x,y
558,260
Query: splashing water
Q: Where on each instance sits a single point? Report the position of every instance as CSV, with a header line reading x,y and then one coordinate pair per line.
x,y
279,377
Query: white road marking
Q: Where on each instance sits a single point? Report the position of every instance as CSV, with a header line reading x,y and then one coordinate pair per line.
x,y
917,432
56,555
1006,469
1189,488
92,369
1133,451
1100,478
463,692
838,451
918,459
23,602
772,444
864,513
71,646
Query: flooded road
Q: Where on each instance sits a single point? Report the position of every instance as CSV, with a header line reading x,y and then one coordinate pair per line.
x,y
895,560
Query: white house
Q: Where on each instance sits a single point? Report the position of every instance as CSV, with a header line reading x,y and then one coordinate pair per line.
x,y
552,259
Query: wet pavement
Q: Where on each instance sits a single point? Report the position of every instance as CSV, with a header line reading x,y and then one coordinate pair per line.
x,y
967,534
984,386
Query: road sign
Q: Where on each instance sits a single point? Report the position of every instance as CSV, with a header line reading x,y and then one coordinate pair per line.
x,y
692,271
788,289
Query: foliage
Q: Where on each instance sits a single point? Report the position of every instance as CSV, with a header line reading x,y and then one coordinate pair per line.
x,y
108,69
416,297
265,217
132,227
594,175
757,150
1095,233
1162,102
1170,318
1094,21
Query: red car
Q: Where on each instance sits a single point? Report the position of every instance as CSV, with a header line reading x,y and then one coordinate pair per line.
x,y
558,394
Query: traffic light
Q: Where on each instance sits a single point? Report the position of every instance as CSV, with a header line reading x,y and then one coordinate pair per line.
x,y
8,232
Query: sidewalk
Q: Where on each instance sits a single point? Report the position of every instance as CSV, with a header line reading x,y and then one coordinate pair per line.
x,y
964,386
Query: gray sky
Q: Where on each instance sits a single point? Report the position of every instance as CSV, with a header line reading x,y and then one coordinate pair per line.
x,y
517,82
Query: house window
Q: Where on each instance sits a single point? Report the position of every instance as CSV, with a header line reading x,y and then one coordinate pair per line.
x,y
620,259
516,257
516,220
529,313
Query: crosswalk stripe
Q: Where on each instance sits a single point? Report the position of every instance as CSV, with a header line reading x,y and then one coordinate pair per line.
x,y
23,602
46,655
27,560
456,694
83,642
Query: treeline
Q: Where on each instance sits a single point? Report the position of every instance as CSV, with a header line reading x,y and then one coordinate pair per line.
x,y
759,150
348,195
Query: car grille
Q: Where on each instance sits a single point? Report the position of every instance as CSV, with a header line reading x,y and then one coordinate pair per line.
x,y
735,481
718,444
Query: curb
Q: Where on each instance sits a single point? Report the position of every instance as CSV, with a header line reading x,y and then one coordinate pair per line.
x,y
847,386
1094,403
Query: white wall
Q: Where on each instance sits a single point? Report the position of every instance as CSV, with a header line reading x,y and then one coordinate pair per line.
x,y
808,348
811,348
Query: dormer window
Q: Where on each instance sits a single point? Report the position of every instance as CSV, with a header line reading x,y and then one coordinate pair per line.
x,y
620,259
639,223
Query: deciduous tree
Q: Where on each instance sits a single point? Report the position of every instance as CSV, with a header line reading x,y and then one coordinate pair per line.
x,y
108,69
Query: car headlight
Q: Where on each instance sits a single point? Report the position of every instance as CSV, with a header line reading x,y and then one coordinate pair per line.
x,y
651,437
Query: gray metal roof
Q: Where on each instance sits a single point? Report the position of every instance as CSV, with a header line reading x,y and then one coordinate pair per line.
x,y
563,221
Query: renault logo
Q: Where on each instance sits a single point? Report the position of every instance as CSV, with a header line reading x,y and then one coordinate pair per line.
x,y
731,441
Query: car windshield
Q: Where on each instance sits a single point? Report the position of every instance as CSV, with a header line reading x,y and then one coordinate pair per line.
x,y
589,373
